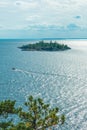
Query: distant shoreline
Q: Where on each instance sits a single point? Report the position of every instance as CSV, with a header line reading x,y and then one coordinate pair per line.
x,y
4,39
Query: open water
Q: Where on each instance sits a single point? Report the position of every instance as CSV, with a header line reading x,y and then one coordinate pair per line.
x,y
60,78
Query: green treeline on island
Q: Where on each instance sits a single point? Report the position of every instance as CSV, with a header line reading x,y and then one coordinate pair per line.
x,y
37,116
44,46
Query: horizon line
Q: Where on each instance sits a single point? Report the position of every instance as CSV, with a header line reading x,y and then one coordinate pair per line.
x,y
36,38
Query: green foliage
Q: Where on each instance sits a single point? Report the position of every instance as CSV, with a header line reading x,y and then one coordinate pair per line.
x,y
62,119
19,126
39,116
6,108
45,46
5,125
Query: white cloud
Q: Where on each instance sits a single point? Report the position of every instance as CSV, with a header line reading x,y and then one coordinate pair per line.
x,y
24,5
44,27
50,13
3,4
1,27
73,26
32,17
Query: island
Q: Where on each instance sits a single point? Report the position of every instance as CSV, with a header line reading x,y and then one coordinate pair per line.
x,y
44,46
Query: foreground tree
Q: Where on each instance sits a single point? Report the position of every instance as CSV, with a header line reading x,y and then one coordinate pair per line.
x,y
6,108
39,115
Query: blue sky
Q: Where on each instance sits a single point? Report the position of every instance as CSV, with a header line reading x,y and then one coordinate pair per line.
x,y
43,18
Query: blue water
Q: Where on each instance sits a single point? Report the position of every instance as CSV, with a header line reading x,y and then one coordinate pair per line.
x,y
60,78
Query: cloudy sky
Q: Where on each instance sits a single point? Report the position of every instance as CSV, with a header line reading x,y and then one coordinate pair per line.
x,y
43,18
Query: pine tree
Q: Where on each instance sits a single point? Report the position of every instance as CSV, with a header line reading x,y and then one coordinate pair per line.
x,y
6,108
39,115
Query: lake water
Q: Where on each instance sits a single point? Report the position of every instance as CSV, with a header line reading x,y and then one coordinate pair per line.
x,y
60,78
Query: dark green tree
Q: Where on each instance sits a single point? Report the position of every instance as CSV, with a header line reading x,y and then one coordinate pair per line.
x,y
7,108
19,126
39,115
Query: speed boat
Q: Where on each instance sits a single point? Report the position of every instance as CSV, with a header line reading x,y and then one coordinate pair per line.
x,y
13,68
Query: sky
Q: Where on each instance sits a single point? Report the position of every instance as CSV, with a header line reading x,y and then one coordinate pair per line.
x,y
43,19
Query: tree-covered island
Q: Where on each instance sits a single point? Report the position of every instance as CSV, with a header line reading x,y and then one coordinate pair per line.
x,y
44,46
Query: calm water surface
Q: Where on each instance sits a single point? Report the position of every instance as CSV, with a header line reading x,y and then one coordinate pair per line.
x,y
61,81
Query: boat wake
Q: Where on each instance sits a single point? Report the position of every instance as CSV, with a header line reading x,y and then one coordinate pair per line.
x,y
36,72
